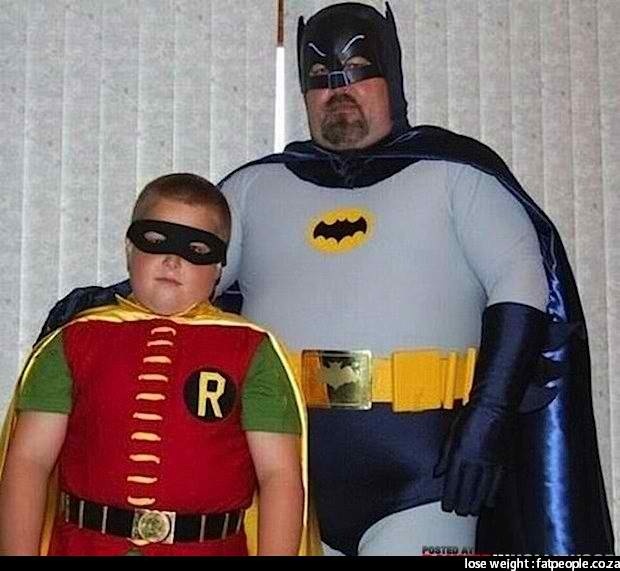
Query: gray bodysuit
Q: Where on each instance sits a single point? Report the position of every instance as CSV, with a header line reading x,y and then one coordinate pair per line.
x,y
411,261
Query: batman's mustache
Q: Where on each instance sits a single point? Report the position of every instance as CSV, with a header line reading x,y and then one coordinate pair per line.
x,y
339,100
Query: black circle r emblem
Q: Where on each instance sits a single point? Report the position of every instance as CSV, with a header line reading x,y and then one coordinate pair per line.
x,y
210,395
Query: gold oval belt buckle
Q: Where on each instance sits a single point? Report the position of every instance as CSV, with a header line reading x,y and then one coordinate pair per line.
x,y
153,526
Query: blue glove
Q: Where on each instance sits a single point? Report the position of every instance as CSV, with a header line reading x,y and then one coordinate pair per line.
x,y
80,299
478,450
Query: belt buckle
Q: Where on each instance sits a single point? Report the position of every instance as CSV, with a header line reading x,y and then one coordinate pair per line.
x,y
153,526
337,379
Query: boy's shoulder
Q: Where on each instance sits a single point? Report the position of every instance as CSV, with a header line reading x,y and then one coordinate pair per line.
x,y
201,314
126,311
210,315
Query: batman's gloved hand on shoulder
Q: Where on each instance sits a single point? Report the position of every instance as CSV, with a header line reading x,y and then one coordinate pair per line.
x,y
477,451
80,299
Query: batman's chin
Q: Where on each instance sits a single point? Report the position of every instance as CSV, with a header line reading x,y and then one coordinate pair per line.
x,y
342,130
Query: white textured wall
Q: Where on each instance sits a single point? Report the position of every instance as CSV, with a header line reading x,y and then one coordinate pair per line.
x,y
539,81
97,97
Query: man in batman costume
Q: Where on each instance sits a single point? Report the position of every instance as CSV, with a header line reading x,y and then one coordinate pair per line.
x,y
392,237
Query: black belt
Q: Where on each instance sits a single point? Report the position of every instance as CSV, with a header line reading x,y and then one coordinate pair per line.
x,y
153,526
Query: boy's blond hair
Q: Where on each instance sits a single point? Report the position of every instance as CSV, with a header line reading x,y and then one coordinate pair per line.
x,y
190,189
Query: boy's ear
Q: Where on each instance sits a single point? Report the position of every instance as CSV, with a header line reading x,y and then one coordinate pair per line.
x,y
128,251
217,282
219,275
128,247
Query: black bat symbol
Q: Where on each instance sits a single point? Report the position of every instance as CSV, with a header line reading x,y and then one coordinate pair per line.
x,y
340,229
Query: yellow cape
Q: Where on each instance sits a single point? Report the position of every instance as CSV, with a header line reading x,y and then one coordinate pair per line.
x,y
202,314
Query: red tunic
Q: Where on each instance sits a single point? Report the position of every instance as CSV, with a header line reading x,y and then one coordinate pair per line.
x,y
157,427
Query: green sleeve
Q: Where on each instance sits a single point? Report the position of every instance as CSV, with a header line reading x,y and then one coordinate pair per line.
x,y
48,385
268,401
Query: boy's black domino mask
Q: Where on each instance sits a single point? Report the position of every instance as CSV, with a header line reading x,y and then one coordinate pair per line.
x,y
196,246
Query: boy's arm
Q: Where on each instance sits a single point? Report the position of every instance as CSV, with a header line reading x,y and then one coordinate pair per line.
x,y
34,449
278,470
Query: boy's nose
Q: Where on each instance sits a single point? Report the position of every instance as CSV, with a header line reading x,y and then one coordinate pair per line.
x,y
172,260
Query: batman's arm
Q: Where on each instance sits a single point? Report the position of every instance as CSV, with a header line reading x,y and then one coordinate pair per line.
x,y
497,238
502,248
478,449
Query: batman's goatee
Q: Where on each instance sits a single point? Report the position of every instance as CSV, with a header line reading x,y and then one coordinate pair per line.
x,y
341,131
344,124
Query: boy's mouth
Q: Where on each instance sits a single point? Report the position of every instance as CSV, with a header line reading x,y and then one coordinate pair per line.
x,y
171,281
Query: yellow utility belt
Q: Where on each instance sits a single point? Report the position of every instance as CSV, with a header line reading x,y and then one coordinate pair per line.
x,y
412,381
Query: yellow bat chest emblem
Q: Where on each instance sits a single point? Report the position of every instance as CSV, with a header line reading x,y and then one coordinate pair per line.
x,y
341,230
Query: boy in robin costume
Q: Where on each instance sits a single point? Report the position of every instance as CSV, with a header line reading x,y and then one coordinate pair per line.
x,y
163,414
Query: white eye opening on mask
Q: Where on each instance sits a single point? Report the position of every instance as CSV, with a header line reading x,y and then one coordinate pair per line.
x,y
355,62
154,237
199,247
317,70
